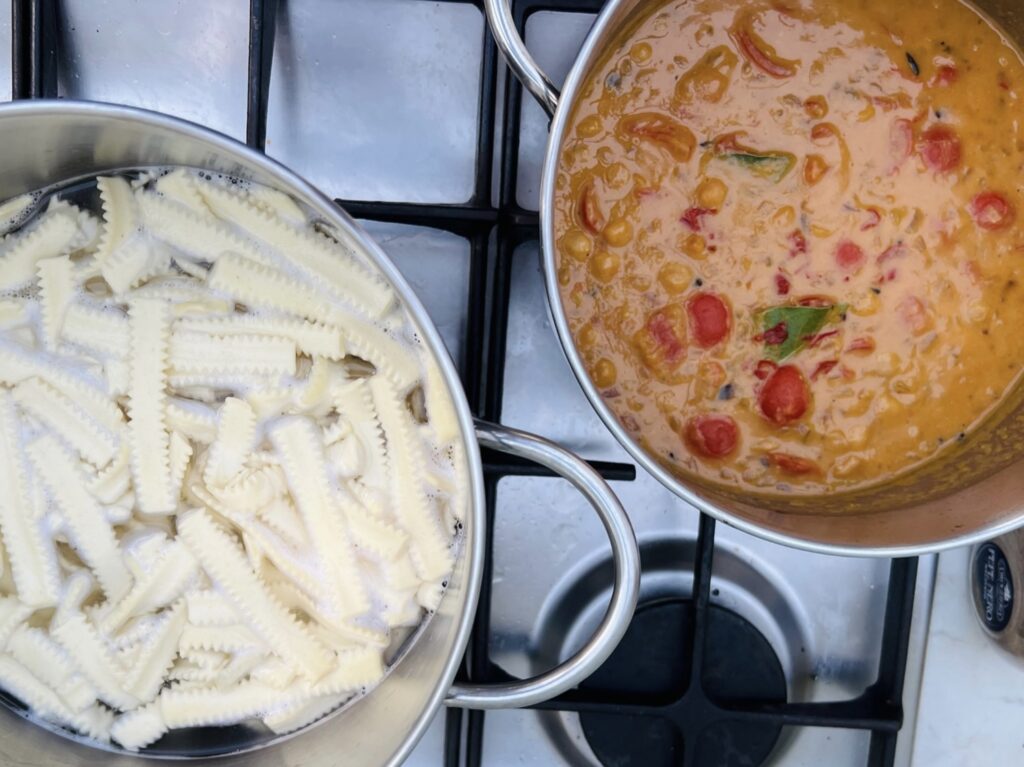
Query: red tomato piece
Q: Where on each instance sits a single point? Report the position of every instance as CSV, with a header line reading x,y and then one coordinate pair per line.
x,y
797,243
764,369
791,464
692,217
781,284
992,211
914,314
661,330
939,147
713,436
901,141
775,335
849,256
762,59
815,340
944,76
590,210
710,319
863,344
823,368
784,398
893,251
874,219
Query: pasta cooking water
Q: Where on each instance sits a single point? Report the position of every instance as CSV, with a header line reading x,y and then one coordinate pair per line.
x,y
220,504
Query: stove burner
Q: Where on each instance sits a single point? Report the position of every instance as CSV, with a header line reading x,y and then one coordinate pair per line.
x,y
650,672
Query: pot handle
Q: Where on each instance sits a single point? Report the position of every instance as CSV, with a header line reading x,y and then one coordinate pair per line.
x,y
503,27
625,557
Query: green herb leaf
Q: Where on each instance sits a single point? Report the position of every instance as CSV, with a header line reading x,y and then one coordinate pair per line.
x,y
772,166
800,323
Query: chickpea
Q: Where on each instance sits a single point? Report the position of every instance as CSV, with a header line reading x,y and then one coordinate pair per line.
x,y
618,232
577,244
711,193
604,265
866,305
605,373
641,52
617,176
587,337
784,216
675,278
694,246
564,275
589,126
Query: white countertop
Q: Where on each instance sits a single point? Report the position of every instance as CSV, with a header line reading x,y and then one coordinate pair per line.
x,y
971,708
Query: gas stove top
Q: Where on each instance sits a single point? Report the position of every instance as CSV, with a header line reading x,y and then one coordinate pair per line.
x,y
743,652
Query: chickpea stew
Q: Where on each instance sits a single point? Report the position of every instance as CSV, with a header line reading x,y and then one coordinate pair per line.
x,y
790,235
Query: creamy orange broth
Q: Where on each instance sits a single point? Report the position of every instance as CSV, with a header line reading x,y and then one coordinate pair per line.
x,y
838,183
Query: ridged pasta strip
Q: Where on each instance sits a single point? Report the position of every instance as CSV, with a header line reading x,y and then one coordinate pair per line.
x,y
354,669
354,401
277,203
12,612
164,583
227,566
202,708
226,639
63,417
45,702
17,364
180,453
177,186
298,716
111,484
196,421
119,216
431,552
102,331
440,409
56,287
202,237
53,234
319,259
147,431
139,728
198,353
387,355
156,655
299,443
97,663
370,531
267,288
311,338
90,533
209,608
236,435
44,658
135,261
30,551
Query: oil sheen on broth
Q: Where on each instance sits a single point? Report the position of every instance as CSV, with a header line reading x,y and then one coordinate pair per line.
x,y
790,236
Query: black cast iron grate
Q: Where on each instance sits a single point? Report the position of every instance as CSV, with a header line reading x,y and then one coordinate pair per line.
x,y
494,230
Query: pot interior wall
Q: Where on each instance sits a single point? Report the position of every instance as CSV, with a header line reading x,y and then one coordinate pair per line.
x,y
971,489
45,143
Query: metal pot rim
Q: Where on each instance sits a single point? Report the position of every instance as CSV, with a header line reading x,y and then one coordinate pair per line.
x,y
563,105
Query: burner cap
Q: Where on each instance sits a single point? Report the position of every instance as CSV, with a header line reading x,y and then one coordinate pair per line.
x,y
651,666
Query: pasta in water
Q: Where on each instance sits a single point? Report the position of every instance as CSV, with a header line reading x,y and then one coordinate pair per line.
x,y
224,501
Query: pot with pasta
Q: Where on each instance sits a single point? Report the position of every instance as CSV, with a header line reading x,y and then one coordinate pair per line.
x,y
783,243
243,513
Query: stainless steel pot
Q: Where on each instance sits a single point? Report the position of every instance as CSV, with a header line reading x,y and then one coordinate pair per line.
x,y
970,493
47,142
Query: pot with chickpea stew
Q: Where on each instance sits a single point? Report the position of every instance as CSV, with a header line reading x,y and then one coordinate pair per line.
x,y
784,250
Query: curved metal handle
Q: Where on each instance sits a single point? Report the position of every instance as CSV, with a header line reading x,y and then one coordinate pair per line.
x,y
503,27
625,557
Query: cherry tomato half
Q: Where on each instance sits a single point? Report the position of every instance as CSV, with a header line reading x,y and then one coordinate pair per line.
x,y
939,147
849,256
791,464
710,319
712,436
784,398
992,211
